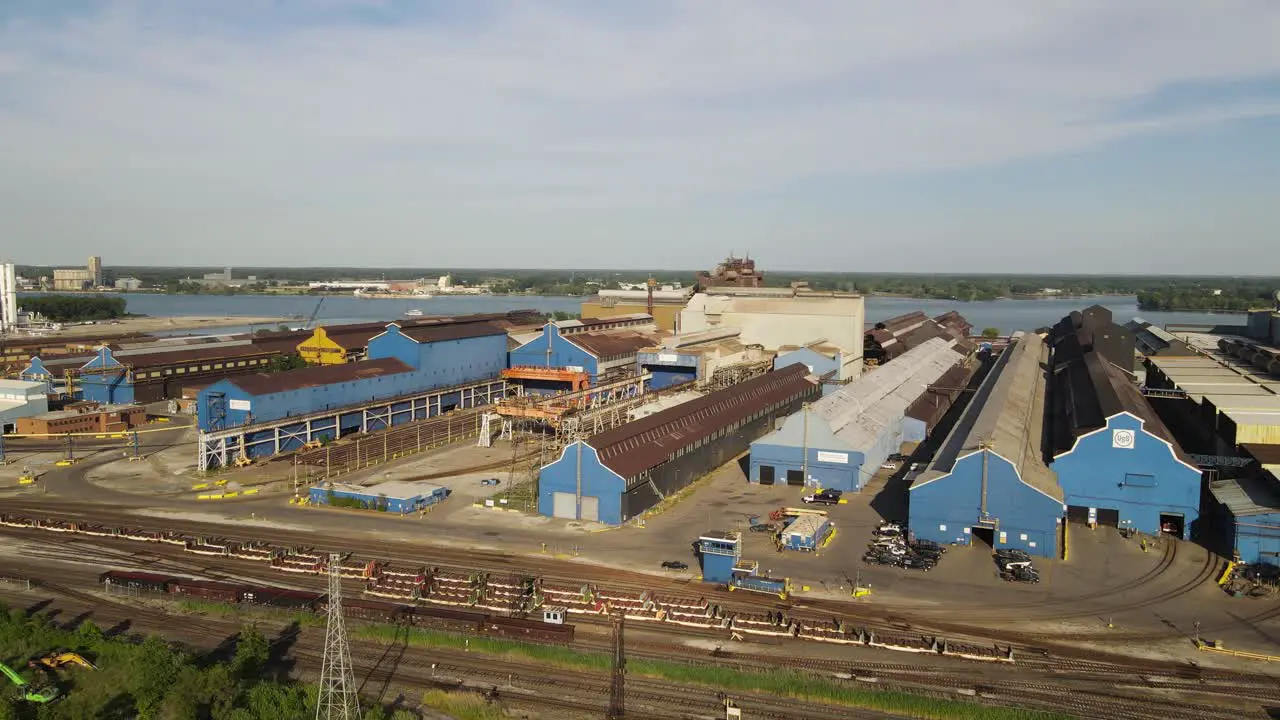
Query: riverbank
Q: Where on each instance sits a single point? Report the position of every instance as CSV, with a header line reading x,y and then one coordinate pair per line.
x,y
146,324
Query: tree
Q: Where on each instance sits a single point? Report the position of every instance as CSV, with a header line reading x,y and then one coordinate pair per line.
x,y
991,333
252,652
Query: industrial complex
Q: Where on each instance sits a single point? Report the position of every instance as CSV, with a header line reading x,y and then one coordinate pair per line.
x,y
735,437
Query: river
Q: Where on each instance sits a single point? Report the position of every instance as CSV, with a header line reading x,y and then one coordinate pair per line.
x,y
1007,315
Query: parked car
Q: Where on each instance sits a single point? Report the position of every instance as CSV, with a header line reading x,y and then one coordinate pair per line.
x,y
490,481
821,499
918,562
1021,574
889,465
928,546
1011,554
888,531
675,565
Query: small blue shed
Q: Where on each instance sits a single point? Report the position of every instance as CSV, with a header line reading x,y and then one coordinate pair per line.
x,y
1246,513
807,533
719,551
395,496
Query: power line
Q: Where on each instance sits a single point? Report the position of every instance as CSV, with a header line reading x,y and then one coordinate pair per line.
x,y
337,699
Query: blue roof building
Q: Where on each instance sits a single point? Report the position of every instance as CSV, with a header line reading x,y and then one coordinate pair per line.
x,y
988,479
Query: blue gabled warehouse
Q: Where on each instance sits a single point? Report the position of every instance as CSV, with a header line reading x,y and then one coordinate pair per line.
x,y
841,441
617,475
1122,466
402,362
595,353
988,479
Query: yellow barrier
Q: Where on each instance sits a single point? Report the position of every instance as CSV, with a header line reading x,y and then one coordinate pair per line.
x,y
117,436
1064,542
209,497
65,463
200,486
231,494
1226,574
220,483
251,492
1216,646
99,437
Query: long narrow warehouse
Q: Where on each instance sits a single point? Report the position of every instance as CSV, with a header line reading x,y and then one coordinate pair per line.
x,y
989,480
617,475
840,441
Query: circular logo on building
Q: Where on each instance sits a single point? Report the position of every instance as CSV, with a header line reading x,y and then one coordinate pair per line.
x,y
1122,438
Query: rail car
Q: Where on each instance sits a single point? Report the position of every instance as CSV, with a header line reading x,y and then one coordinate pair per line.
x,y
418,596
435,618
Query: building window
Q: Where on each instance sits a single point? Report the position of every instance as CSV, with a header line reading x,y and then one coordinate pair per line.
x,y
181,371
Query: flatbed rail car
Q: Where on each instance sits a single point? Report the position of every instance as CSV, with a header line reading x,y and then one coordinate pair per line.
x,y
768,586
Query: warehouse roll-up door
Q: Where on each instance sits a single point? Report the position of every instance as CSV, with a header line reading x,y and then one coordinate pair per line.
x,y
1077,514
795,477
766,474
590,508
1108,516
564,505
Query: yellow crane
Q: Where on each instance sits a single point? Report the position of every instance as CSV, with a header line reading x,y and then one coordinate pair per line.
x,y
58,660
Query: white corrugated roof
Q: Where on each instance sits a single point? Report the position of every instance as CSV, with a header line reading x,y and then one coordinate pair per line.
x,y
914,370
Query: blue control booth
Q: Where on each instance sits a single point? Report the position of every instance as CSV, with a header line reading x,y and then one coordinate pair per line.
x,y
720,551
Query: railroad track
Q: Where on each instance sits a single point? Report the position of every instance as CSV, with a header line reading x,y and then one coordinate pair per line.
x,y
1098,697
1026,645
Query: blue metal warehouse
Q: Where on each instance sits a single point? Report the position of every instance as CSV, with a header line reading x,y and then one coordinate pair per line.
x,y
397,496
1246,510
617,475
840,441
1116,461
596,353
402,362
988,478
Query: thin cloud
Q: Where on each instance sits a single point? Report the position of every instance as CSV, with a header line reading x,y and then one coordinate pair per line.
x,y
490,121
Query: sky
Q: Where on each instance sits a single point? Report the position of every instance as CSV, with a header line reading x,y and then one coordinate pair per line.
x,y
1069,136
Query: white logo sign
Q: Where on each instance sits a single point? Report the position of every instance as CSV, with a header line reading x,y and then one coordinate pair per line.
x,y
669,359
832,457
1122,439
240,405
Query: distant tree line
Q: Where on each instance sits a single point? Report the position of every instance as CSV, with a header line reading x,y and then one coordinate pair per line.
x,y
1204,299
75,308
1236,292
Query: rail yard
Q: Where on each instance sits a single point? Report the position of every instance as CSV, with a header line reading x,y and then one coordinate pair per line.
x,y
480,481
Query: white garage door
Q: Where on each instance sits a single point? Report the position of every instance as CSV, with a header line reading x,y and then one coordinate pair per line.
x,y
564,505
590,508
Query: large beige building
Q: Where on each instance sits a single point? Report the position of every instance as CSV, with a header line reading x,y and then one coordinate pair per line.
x,y
89,276
71,279
776,319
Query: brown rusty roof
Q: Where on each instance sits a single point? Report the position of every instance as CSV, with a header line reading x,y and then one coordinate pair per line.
x,y
451,331
194,354
648,442
357,335
267,383
612,344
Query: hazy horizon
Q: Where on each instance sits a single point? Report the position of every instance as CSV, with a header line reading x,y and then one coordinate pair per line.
x,y
992,136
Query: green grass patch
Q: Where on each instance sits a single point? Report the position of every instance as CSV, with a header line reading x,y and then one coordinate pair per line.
x,y
207,607
783,683
462,706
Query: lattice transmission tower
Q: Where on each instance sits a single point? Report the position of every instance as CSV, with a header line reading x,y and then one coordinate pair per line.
x,y
337,700
617,684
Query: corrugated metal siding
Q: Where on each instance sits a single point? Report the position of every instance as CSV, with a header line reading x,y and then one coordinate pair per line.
x,y
649,442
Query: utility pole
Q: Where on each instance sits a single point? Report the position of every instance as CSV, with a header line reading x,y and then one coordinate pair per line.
x,y
617,683
337,699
